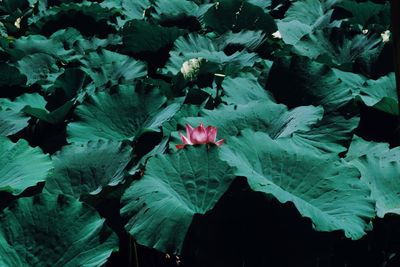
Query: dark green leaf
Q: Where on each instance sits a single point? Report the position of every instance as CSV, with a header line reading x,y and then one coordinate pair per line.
x,y
141,36
196,46
120,116
334,47
237,15
304,17
334,199
381,94
11,122
174,188
104,165
74,233
300,81
21,166
110,67
267,116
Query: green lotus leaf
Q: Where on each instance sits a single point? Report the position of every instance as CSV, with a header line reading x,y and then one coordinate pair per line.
x,y
157,150
237,15
381,94
21,166
141,36
307,125
104,165
367,13
34,100
39,68
11,122
264,4
135,8
123,115
9,6
73,232
300,81
65,46
78,46
174,188
167,10
130,9
334,199
35,105
196,46
332,134
12,117
10,75
251,40
267,116
243,89
338,48
186,111
292,31
380,171
305,17
111,67
359,147
33,44
52,13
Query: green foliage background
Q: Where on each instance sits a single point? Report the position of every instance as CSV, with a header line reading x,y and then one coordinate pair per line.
x,y
93,94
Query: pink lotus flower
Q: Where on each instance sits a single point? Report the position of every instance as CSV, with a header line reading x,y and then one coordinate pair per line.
x,y
199,135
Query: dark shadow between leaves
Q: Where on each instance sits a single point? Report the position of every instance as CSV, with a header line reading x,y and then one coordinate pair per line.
x,y
248,228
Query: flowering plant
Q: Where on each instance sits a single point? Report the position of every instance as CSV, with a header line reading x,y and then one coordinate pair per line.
x,y
303,93
199,135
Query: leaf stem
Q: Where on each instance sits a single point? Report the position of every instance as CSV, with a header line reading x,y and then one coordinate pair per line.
x,y
135,253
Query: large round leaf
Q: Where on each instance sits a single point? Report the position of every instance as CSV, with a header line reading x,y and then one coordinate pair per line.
x,y
88,167
304,17
119,116
32,100
195,46
39,68
53,230
243,89
264,115
34,105
33,44
66,10
9,75
381,94
12,121
170,10
298,81
113,68
380,170
341,48
141,36
21,166
173,189
322,187
367,13
330,135
251,40
237,15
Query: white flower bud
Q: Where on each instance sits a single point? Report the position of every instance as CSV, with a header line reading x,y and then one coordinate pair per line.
x,y
385,36
190,69
17,23
277,35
